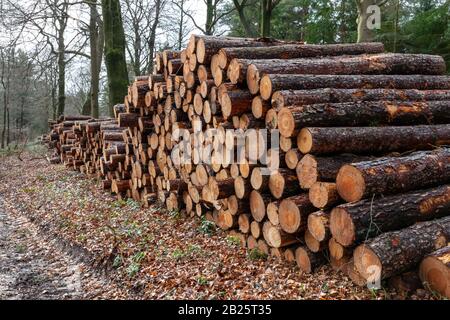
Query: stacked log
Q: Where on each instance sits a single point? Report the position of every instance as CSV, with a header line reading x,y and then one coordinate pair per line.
x,y
335,187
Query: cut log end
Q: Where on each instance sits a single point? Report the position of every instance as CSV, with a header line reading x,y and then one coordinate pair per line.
x,y
301,256
253,79
200,51
265,87
291,159
317,225
337,251
234,71
239,187
312,243
367,263
435,272
342,227
289,216
350,183
257,107
276,185
305,141
257,206
307,171
323,194
286,122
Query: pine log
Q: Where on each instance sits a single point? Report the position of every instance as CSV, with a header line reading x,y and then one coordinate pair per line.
x,y
394,175
293,118
323,195
244,223
293,213
235,102
395,252
284,98
318,225
284,183
308,261
292,158
276,82
354,222
435,271
386,63
258,204
255,229
292,51
313,244
207,46
371,139
311,169
277,238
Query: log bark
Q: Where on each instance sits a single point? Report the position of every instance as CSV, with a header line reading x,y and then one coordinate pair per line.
x,y
284,98
276,82
354,222
395,252
372,140
291,51
394,175
207,46
293,118
389,63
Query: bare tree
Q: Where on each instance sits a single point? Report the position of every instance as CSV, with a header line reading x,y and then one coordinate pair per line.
x,y
48,20
138,19
158,7
215,12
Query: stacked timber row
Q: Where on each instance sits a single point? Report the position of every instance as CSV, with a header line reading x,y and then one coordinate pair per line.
x,y
361,166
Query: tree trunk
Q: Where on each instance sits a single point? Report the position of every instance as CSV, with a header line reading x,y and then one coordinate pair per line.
x,y
353,222
61,66
116,65
97,41
371,140
395,252
389,175
152,38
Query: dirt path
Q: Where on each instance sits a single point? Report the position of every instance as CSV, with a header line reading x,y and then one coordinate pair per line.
x,y
34,267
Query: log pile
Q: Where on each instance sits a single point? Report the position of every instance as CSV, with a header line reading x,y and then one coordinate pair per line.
x,y
360,168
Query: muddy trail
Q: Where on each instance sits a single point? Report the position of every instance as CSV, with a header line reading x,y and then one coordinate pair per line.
x,y
33,266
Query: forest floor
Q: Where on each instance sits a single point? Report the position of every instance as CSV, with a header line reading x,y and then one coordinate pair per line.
x,y
62,237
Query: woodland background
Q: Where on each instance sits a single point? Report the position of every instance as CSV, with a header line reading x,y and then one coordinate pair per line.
x,y
77,56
